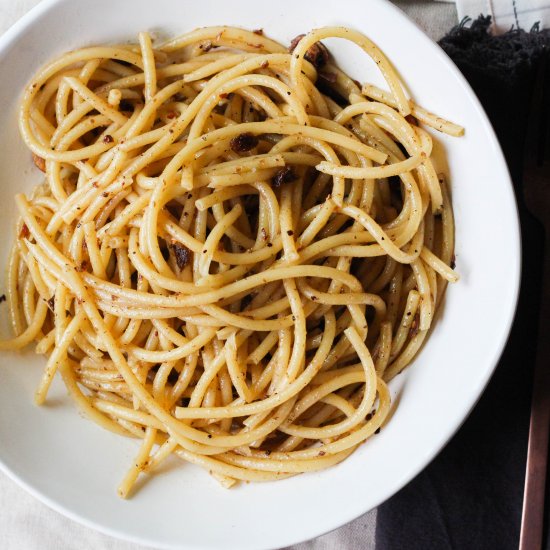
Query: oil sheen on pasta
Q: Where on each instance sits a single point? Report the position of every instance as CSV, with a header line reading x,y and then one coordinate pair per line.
x,y
235,246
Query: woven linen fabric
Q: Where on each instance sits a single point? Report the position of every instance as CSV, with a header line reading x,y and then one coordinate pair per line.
x,y
506,14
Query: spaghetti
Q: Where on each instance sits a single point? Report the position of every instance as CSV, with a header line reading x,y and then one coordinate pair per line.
x,y
235,248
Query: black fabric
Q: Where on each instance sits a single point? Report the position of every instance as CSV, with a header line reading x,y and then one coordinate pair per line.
x,y
470,497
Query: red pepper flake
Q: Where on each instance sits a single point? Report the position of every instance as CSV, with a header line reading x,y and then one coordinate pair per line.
x,y
265,64
108,139
260,32
415,325
105,194
95,184
322,453
264,233
284,175
82,267
24,233
172,114
243,142
183,255
411,120
223,95
317,54
39,162
330,78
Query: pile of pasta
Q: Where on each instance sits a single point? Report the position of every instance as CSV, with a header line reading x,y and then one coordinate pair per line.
x,y
234,249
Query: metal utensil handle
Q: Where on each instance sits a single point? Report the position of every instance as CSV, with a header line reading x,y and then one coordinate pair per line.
x,y
537,454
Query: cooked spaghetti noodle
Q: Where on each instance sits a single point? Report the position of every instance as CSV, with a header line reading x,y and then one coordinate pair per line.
x,y
235,247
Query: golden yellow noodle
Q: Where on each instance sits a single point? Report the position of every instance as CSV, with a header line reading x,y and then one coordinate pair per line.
x,y
235,248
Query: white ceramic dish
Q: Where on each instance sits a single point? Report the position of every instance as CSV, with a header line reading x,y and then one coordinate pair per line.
x,y
74,466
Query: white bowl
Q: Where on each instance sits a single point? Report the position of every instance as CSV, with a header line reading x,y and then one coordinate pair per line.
x,y
74,466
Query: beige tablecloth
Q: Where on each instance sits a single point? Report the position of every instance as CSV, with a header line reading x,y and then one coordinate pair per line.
x,y
26,524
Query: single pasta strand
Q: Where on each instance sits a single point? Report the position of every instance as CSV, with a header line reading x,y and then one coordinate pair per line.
x,y
148,65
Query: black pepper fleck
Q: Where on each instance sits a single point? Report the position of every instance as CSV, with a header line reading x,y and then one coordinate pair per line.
x,y
284,175
243,142
182,255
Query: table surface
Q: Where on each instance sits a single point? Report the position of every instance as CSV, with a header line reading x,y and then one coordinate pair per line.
x,y
27,524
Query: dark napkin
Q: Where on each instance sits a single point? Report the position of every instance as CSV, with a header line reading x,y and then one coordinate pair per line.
x,y
470,497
